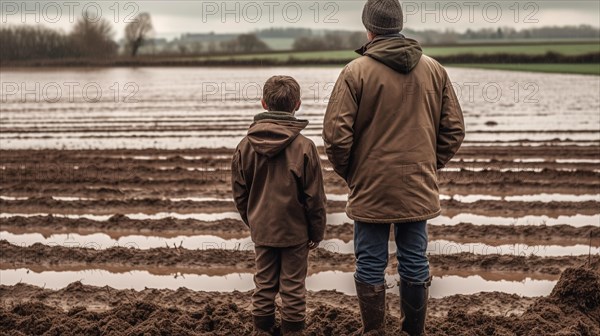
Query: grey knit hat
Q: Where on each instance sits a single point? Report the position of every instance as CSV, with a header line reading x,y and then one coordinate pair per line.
x,y
383,17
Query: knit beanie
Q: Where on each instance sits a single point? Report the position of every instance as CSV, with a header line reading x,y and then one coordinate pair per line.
x,y
383,17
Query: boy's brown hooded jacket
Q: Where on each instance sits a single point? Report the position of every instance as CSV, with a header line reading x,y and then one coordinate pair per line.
x,y
277,182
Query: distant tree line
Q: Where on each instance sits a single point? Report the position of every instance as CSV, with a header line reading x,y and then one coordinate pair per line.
x,y
331,41
94,39
244,43
348,40
505,33
240,44
284,32
552,32
88,38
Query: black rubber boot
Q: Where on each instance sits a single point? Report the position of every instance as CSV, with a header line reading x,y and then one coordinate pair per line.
x,y
413,302
292,328
264,325
371,300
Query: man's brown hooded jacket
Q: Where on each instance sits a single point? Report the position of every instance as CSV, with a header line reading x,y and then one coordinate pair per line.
x,y
393,119
277,182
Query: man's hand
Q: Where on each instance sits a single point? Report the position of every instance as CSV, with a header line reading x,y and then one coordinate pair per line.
x,y
312,245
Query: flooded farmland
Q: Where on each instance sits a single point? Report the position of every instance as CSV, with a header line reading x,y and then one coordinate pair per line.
x,y
115,195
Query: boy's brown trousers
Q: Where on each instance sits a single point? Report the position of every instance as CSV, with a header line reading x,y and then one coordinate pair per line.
x,y
283,270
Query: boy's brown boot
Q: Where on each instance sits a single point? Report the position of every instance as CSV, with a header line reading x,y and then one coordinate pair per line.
x,y
289,328
264,325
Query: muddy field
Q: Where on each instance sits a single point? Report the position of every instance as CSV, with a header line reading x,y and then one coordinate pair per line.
x,y
119,220
153,213
572,308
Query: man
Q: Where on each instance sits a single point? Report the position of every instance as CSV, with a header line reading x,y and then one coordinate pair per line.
x,y
393,120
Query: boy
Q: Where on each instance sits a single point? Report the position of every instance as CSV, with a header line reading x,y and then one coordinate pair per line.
x,y
278,190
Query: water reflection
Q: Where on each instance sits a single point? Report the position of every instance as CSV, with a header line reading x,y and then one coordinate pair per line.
x,y
204,242
330,280
338,218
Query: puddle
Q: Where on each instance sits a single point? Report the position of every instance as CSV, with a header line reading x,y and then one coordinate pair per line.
x,y
528,160
77,198
143,157
338,218
13,198
450,247
185,157
471,160
443,247
139,216
337,197
332,197
470,198
530,144
577,160
330,280
199,169
14,141
576,220
200,199
543,197
502,170
553,197
101,241
71,198
440,286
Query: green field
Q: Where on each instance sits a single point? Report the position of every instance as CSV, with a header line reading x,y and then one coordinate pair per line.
x,y
586,69
535,49
570,54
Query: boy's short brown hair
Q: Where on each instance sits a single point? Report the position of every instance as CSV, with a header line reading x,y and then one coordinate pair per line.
x,y
281,93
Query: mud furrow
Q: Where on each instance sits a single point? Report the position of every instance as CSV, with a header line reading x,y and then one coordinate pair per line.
x,y
122,191
38,257
19,155
152,206
119,226
82,172
223,162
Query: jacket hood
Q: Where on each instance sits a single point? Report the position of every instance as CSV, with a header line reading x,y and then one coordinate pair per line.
x,y
396,51
272,132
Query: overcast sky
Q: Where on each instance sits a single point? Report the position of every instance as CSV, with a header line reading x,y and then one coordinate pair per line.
x,y
171,18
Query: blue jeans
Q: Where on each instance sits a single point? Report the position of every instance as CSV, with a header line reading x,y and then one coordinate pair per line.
x,y
371,251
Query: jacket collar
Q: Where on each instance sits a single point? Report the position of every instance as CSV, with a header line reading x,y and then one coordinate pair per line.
x,y
276,115
366,46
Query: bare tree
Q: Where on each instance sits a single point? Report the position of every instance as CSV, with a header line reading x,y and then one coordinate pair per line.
x,y
137,31
93,37
33,42
251,43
